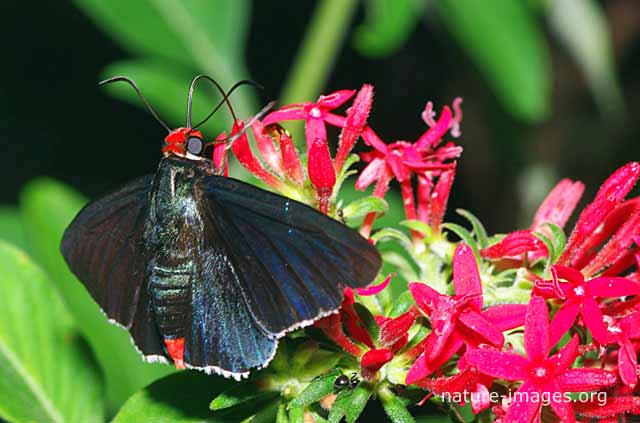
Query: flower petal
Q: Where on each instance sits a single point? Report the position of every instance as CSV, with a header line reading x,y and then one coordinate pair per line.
x,y
514,244
607,287
612,192
506,316
419,370
283,114
393,329
270,155
321,172
220,153
372,139
374,289
481,326
370,174
425,297
562,321
559,204
440,196
536,329
500,364
523,409
290,160
592,317
466,279
567,355
245,156
579,380
335,99
433,135
354,125
628,363
374,359
558,404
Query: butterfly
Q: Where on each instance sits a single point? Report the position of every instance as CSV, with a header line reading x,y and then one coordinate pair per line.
x,y
206,271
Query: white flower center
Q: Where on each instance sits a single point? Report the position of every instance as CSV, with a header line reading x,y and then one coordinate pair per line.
x,y
315,112
579,291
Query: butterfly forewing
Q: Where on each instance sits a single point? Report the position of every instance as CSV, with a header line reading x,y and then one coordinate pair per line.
x,y
293,261
103,247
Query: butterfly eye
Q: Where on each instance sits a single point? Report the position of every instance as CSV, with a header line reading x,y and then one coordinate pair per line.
x,y
194,146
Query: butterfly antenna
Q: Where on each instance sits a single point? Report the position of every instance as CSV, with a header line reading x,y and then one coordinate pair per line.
x,y
142,97
225,99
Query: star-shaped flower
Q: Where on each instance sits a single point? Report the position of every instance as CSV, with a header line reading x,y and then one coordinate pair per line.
x,y
426,158
321,168
541,374
621,333
459,319
578,297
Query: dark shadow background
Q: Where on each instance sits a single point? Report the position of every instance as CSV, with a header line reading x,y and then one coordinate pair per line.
x,y
54,120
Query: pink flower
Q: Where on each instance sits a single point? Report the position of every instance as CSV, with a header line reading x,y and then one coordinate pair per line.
x,y
458,319
322,170
392,332
621,333
578,297
468,380
242,151
556,208
425,158
541,374
599,220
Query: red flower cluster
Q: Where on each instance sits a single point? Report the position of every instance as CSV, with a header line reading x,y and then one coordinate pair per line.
x,y
283,165
591,284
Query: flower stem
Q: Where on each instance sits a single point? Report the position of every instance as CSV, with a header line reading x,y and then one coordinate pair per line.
x,y
316,55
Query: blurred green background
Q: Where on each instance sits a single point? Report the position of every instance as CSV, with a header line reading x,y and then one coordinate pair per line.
x,y
550,87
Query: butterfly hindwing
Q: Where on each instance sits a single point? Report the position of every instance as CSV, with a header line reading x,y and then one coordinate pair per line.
x,y
103,246
292,261
223,336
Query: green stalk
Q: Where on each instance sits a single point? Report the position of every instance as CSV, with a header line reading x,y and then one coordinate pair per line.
x,y
317,54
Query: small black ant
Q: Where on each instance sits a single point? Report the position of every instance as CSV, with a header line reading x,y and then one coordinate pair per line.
x,y
343,381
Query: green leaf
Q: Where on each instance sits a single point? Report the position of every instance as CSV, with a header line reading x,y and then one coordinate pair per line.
x,y
46,374
388,25
582,26
400,264
201,36
418,226
11,226
392,233
363,206
296,414
402,304
243,394
464,235
316,390
558,239
181,397
349,404
267,415
358,401
479,231
282,416
47,208
394,407
504,40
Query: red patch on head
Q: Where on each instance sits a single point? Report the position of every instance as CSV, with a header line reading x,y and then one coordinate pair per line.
x,y
176,140
175,348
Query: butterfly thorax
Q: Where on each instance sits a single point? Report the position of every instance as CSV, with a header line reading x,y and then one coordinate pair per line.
x,y
173,236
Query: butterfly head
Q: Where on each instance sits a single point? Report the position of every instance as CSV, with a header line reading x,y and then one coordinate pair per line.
x,y
184,142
